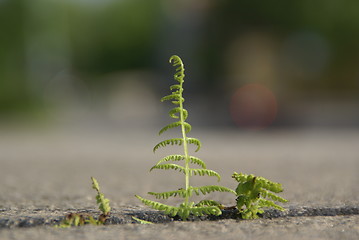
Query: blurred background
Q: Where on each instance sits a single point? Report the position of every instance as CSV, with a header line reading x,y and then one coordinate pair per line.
x,y
271,89
249,64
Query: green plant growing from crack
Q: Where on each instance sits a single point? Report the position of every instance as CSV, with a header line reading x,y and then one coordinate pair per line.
x,y
253,194
79,219
180,115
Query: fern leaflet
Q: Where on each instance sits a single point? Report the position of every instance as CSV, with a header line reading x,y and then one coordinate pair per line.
x,y
172,113
176,124
169,166
202,172
192,159
173,141
196,142
204,203
197,190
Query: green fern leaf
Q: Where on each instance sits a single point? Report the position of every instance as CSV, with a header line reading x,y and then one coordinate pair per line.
x,y
169,126
171,158
197,190
207,203
176,124
192,159
176,87
169,166
241,178
165,195
252,190
212,188
197,161
177,110
271,186
103,203
202,172
176,61
274,197
194,141
210,210
173,96
170,210
267,203
173,141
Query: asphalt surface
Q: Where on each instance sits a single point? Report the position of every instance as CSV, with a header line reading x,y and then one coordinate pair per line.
x,y
45,174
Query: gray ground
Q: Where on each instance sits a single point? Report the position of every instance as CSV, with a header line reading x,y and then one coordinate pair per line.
x,y
46,174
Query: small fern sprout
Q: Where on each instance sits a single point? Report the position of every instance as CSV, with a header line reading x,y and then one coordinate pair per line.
x,y
255,193
80,219
103,203
179,114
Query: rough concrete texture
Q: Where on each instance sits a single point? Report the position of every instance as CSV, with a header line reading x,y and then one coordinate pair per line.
x,y
46,174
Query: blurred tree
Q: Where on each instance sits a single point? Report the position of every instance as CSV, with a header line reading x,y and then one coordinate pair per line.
x,y
14,93
337,23
116,36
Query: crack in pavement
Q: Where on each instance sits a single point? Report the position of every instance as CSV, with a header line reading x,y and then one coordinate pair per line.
x,y
14,220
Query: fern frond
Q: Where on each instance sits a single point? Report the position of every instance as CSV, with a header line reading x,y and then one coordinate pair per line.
x,y
274,197
251,193
170,210
171,158
210,210
207,203
202,172
182,211
176,87
241,178
192,159
169,126
211,188
172,113
194,141
269,185
174,96
176,61
181,114
187,126
267,203
103,203
169,166
165,195
197,161
197,190
173,141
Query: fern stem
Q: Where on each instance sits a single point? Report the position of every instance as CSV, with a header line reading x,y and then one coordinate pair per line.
x,y
185,147
183,128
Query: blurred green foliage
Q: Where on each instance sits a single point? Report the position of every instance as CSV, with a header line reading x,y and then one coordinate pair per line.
x,y
40,38
13,91
117,36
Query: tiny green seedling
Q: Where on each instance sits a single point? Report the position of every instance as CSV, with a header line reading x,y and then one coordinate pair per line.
x,y
103,203
80,219
251,193
181,114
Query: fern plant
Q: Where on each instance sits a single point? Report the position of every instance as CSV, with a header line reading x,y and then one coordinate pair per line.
x,y
170,162
255,193
80,219
103,203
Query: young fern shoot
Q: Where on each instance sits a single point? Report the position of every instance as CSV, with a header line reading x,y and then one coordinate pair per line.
x,y
180,115
80,219
255,193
